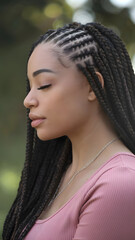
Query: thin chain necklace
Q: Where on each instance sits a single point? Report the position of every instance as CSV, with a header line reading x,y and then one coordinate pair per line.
x,y
74,175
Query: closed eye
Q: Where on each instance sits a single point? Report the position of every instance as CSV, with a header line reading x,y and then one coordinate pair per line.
x,y
44,86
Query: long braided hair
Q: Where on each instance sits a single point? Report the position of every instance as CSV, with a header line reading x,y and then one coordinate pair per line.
x,y
91,47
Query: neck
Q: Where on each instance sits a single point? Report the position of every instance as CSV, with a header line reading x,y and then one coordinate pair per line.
x,y
89,140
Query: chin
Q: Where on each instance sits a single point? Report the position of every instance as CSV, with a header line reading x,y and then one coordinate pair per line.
x,y
44,137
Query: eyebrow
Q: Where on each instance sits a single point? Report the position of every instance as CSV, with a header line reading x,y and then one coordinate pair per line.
x,y
41,71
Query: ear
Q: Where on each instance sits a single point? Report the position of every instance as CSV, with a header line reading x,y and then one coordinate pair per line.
x,y
101,79
92,95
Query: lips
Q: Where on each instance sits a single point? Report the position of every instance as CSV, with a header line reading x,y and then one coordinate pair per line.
x,y
36,120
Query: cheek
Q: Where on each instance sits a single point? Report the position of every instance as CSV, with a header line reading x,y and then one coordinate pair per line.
x,y
65,111
66,108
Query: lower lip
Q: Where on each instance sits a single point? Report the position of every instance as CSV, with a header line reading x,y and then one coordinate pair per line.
x,y
36,122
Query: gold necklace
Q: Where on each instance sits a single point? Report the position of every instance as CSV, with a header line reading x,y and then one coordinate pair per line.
x,y
74,175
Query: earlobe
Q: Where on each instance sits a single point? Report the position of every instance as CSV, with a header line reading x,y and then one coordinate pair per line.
x,y
92,95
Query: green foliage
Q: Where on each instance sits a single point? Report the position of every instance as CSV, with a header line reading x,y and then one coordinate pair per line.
x,y
11,163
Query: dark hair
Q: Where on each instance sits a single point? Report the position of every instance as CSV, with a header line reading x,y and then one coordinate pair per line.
x,y
90,46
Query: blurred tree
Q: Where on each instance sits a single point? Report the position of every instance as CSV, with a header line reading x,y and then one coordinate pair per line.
x,y
117,18
24,19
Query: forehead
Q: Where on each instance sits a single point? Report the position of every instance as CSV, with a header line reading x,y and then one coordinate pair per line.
x,y
43,56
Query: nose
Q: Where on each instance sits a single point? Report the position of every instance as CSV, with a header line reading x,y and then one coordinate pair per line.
x,y
30,101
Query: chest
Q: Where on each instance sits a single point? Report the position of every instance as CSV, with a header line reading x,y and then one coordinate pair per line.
x,y
61,225
70,190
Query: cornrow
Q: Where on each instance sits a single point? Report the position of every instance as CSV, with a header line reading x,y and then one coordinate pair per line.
x,y
115,65
92,47
77,45
65,36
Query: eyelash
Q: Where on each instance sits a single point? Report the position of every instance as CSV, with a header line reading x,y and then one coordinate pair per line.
x,y
44,86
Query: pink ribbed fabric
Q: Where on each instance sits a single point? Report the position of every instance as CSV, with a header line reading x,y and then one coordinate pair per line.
x,y
102,209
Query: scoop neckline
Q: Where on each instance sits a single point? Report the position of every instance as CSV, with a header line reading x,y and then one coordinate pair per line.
x,y
39,221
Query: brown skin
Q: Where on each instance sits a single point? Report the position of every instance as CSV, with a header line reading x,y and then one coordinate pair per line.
x,y
70,108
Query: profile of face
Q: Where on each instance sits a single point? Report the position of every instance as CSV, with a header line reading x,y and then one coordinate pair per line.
x,y
60,98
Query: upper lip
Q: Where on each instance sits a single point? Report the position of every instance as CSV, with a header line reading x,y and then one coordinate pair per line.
x,y
34,117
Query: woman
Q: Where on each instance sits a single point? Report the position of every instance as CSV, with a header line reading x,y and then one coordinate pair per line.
x,y
78,177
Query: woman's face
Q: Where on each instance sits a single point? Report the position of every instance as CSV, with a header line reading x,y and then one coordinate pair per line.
x,y
62,107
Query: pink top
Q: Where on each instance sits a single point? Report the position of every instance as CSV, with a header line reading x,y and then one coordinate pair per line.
x,y
102,209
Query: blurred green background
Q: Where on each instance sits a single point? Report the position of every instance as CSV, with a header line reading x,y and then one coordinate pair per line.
x,y
21,22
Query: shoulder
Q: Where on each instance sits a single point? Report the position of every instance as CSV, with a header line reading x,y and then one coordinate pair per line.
x,y
121,171
115,182
110,202
119,174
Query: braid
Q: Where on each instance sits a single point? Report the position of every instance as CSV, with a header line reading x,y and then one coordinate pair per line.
x,y
92,47
111,56
123,64
120,47
121,132
46,193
